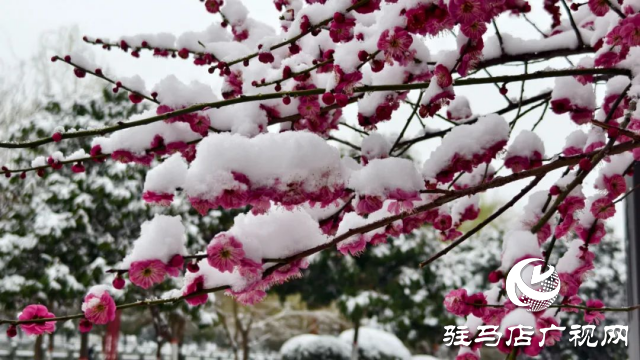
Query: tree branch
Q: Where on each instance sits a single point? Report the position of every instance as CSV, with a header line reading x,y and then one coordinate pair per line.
x,y
486,222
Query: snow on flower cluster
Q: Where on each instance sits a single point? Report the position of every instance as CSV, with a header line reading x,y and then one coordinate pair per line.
x,y
157,252
465,147
288,168
242,250
391,178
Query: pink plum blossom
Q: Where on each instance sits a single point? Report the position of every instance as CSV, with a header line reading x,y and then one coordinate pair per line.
x,y
147,272
99,309
35,312
224,252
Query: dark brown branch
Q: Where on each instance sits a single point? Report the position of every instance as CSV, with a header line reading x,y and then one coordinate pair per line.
x,y
344,142
573,24
542,55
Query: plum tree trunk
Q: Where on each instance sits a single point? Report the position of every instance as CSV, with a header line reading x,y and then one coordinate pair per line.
x,y
38,354
84,346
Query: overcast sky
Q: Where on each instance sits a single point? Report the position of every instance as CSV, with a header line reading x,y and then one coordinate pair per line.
x,y
23,23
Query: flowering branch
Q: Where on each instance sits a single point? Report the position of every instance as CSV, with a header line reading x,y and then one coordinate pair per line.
x,y
486,222
317,91
585,171
497,182
99,74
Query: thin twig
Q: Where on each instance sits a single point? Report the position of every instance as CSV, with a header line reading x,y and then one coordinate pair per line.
x,y
573,24
406,125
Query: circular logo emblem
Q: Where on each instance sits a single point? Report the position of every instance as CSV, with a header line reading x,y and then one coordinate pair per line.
x,y
538,293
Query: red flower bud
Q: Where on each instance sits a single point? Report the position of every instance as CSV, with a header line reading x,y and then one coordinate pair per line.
x,y
54,58
294,48
613,132
12,331
183,53
495,276
78,168
342,100
286,72
266,58
377,65
503,89
585,164
23,175
67,58
554,190
98,72
135,98
328,98
423,111
79,72
278,87
176,261
286,100
193,267
118,282
57,137
363,55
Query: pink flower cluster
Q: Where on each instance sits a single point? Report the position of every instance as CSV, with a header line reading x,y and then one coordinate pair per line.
x,y
619,40
341,28
199,123
459,303
225,253
403,201
570,282
259,197
156,147
429,19
395,45
313,118
462,162
580,115
145,273
232,87
383,111
520,163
